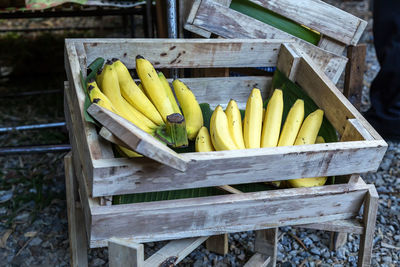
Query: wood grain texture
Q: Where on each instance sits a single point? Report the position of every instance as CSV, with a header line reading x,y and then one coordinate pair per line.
x,y
174,252
137,139
354,131
231,24
266,242
218,244
122,253
123,176
354,79
76,228
288,61
331,45
369,219
258,260
227,213
107,135
319,16
187,53
345,226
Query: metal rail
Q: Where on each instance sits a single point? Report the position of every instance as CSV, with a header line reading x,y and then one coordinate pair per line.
x,y
172,27
33,127
34,149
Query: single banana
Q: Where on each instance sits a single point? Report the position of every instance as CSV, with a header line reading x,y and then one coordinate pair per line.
x,y
310,182
253,120
273,120
235,123
129,153
221,137
203,141
99,78
142,118
292,124
169,92
96,96
190,107
154,88
310,128
112,91
131,92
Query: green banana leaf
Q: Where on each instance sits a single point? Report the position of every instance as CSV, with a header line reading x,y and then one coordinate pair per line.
x,y
271,18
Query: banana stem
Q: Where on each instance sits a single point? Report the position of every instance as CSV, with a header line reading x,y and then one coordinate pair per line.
x,y
176,128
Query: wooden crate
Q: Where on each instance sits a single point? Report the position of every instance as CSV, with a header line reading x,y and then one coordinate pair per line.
x,y
337,28
101,175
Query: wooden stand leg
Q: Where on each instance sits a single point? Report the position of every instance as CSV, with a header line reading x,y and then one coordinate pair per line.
x,y
76,225
218,244
122,253
369,219
266,243
355,74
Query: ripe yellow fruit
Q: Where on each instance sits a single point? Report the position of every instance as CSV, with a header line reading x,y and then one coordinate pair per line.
x,y
203,141
273,120
235,123
292,124
253,120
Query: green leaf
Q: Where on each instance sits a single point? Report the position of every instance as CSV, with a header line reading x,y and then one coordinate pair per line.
x,y
271,18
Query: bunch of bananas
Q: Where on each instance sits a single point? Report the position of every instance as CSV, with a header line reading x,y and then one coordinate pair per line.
x,y
147,105
262,128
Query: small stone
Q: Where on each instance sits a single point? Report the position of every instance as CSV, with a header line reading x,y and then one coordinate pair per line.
x,y
387,259
382,219
5,196
341,253
286,264
293,253
242,256
397,237
326,255
3,211
315,251
338,265
22,217
98,262
307,241
36,241
236,236
314,237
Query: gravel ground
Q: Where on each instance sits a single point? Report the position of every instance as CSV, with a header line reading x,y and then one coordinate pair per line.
x,y
33,223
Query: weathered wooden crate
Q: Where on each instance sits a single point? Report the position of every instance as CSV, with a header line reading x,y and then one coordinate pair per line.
x,y
337,28
101,174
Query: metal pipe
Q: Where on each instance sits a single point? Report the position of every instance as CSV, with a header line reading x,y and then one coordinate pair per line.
x,y
34,149
32,127
172,27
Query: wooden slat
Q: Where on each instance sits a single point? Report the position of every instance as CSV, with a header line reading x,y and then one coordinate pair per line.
x,y
228,23
354,79
174,252
355,132
187,53
369,219
288,61
331,45
122,253
76,229
137,139
345,226
266,242
319,16
218,244
227,213
258,260
107,135
123,176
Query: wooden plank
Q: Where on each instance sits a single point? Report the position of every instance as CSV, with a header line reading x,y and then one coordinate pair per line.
x,y
187,53
76,230
107,135
331,45
288,60
369,219
218,244
258,260
319,16
174,252
354,78
231,24
124,176
354,131
122,253
266,242
340,239
137,139
345,226
227,213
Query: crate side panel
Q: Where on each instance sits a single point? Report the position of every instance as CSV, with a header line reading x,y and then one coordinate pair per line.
x,y
124,176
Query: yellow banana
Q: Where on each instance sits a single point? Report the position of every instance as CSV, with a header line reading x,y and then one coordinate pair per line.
x,y
169,92
112,91
131,92
310,128
190,107
273,120
310,182
292,124
96,96
235,123
221,138
142,118
154,88
129,153
253,120
203,141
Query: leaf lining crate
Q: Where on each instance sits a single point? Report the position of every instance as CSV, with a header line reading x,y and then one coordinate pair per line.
x,y
101,175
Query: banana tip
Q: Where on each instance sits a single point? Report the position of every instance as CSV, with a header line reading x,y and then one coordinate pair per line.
x,y
96,100
90,88
139,57
109,62
114,59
